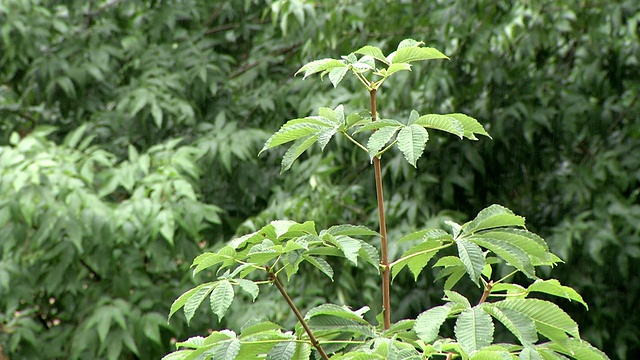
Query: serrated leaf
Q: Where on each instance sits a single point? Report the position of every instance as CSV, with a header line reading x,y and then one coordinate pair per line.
x,y
529,353
414,53
380,138
321,264
349,246
227,350
553,287
520,325
442,123
417,257
337,74
193,302
340,311
370,254
492,217
351,230
336,325
412,140
432,234
378,124
303,352
298,147
221,298
543,313
288,133
282,351
529,242
320,66
427,324
471,126
249,287
474,329
394,68
513,255
457,298
372,51
579,350
472,259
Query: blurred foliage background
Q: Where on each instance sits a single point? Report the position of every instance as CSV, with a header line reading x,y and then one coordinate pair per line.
x,y
129,132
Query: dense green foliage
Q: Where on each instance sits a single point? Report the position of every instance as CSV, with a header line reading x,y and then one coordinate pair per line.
x,y
173,93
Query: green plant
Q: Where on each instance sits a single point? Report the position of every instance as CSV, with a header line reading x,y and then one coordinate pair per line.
x,y
491,249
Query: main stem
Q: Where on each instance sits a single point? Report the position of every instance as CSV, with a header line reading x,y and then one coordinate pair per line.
x,y
386,290
295,310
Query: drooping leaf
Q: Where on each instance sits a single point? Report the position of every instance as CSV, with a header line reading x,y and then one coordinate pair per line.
x,y
472,259
544,313
221,298
394,68
471,126
294,152
193,302
441,122
579,350
520,325
227,350
282,351
249,287
427,324
412,140
380,138
337,74
474,329
553,287
529,242
513,255
349,246
320,66
321,264
291,132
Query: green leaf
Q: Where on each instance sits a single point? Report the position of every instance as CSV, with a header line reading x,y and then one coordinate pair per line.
x,y
372,51
193,302
474,329
349,246
340,311
351,230
282,351
416,258
579,350
472,259
370,254
291,132
492,217
249,287
227,350
414,53
529,242
553,287
432,234
380,138
378,124
441,122
543,313
298,147
337,74
514,256
320,66
457,298
73,138
520,325
471,126
427,324
412,140
221,298
394,68
321,264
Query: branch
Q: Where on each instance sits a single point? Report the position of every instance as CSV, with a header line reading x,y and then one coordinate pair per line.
x,y
295,310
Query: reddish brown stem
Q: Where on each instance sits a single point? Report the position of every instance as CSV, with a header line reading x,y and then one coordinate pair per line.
x,y
273,277
386,289
486,292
